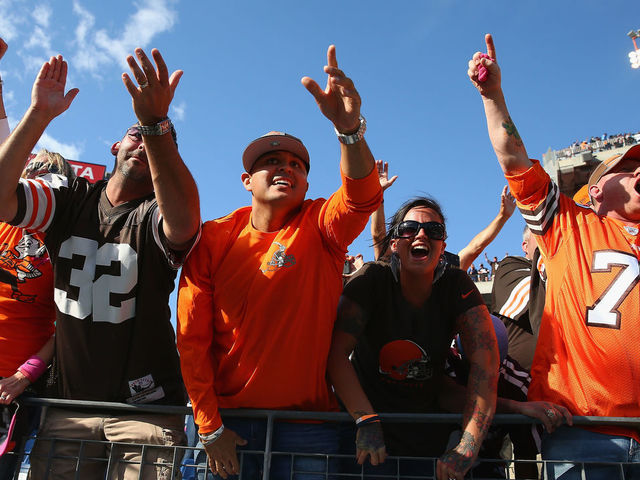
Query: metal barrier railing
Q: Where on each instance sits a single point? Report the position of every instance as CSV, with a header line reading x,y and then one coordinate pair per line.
x,y
336,465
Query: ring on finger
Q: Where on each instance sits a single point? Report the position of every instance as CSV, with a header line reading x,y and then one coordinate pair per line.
x,y
144,85
550,413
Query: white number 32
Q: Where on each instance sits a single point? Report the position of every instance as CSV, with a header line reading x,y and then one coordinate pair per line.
x,y
94,294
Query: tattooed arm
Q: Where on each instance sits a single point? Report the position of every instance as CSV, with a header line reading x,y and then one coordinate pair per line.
x,y
349,324
479,343
504,136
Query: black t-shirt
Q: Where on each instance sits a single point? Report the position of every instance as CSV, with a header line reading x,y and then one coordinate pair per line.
x,y
113,274
401,350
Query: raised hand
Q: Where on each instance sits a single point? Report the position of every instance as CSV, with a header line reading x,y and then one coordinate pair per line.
x,y
483,70
47,94
507,203
339,101
383,174
153,94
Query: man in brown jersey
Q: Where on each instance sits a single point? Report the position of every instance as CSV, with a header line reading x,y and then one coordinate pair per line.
x,y
114,340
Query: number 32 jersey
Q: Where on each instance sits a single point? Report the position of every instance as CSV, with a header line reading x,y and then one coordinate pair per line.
x,y
113,274
587,353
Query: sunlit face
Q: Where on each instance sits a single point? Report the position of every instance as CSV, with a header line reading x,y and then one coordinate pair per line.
x,y
529,246
420,253
131,156
278,177
617,193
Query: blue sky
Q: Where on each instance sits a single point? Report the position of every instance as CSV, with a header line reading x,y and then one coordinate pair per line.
x,y
566,76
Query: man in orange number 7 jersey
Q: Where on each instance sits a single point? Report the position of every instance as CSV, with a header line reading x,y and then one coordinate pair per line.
x,y
585,358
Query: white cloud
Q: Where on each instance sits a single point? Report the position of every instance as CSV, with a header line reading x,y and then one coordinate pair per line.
x,y
39,39
101,48
86,23
178,111
10,20
41,14
70,151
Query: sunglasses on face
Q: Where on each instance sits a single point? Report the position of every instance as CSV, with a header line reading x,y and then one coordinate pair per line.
x,y
410,228
134,132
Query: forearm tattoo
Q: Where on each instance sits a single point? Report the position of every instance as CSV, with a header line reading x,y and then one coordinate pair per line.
x,y
512,131
351,317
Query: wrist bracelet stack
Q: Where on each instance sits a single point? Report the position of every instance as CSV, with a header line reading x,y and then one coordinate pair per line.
x,y
209,438
366,419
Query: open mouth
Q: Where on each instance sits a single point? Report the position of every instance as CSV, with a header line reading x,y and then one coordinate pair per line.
x,y
419,252
283,181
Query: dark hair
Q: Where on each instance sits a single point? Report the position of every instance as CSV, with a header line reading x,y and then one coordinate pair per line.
x,y
398,217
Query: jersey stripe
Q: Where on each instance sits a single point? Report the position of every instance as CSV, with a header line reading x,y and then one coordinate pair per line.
x,y
518,300
49,202
540,219
40,202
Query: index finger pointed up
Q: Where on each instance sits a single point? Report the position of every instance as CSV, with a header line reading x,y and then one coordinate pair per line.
x,y
491,49
332,60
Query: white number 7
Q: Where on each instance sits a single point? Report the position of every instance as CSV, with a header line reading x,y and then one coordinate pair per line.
x,y
604,312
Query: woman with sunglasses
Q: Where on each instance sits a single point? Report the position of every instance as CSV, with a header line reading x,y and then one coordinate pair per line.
x,y
398,320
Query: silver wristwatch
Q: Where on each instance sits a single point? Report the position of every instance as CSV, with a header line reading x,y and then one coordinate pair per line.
x,y
160,128
354,137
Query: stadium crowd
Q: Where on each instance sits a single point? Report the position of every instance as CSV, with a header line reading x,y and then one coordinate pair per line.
x,y
87,270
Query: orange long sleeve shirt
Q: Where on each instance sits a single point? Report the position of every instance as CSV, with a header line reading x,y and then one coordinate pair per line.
x,y
256,310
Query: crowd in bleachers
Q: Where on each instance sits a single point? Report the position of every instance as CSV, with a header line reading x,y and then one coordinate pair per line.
x,y
599,144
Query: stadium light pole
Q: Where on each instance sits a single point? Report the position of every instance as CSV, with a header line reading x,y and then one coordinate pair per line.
x,y
634,56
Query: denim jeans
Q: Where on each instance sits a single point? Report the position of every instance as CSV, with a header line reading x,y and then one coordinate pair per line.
x,y
580,445
318,438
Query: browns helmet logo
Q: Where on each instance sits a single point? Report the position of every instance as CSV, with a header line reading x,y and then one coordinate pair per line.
x,y
405,360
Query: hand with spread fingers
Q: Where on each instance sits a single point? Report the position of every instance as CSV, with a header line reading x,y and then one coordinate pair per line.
x,y
47,94
383,174
507,203
154,91
339,101
491,74
223,459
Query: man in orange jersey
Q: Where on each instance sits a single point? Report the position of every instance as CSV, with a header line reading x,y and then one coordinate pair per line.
x,y
585,359
258,297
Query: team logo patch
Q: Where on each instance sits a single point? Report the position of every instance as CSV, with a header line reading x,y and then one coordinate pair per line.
x,y
21,264
403,360
631,230
279,259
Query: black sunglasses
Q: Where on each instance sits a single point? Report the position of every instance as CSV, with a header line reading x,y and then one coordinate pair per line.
x,y
410,228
